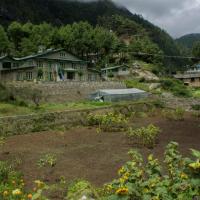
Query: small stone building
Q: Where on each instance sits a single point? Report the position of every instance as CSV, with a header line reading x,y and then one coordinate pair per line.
x,y
115,71
191,78
49,65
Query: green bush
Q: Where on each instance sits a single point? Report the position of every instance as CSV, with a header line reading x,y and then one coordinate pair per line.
x,y
79,189
47,160
177,114
5,170
108,122
176,87
196,107
145,136
6,95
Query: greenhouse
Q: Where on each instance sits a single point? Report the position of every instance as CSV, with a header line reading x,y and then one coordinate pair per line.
x,y
114,95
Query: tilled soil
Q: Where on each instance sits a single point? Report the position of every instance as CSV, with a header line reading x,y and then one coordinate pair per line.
x,y
83,153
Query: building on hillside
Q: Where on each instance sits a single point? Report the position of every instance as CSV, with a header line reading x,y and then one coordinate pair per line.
x,y
115,71
191,78
49,65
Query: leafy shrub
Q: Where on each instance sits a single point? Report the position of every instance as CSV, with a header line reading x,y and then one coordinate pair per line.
x,y
5,170
158,103
47,160
176,87
110,75
2,141
136,84
196,107
6,95
139,180
145,136
196,114
196,92
177,114
108,122
80,189
12,186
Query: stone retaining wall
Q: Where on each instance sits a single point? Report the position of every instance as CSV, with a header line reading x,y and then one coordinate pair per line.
x,y
63,91
17,125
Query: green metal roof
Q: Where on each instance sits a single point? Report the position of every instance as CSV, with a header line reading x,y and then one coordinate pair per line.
x,y
6,57
47,52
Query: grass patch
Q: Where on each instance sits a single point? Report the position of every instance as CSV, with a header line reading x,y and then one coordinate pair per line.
x,y
136,84
10,109
50,107
196,93
176,87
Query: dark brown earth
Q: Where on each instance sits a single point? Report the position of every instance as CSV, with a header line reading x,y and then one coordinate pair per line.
x,y
82,153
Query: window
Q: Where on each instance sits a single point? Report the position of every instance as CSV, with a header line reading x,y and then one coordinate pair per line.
x,y
192,79
74,66
70,75
40,64
29,75
7,65
20,76
15,65
91,77
62,65
30,63
50,76
62,54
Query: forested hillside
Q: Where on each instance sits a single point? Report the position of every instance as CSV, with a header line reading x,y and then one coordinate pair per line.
x,y
62,12
189,40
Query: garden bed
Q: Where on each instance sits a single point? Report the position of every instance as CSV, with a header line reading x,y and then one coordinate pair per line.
x,y
84,153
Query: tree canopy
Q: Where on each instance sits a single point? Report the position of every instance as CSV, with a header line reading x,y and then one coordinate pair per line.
x,y
196,50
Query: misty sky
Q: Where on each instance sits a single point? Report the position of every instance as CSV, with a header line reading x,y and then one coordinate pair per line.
x,y
178,17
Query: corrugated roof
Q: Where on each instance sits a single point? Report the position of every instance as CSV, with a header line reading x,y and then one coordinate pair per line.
x,y
6,56
46,53
114,67
195,75
122,91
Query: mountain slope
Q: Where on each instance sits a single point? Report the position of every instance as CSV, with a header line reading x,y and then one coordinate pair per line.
x,y
189,40
60,12
57,11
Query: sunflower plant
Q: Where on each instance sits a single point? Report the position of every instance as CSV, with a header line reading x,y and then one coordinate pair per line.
x,y
145,136
12,185
108,122
139,180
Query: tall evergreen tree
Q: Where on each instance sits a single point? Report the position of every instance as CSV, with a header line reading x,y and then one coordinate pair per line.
x,y
4,42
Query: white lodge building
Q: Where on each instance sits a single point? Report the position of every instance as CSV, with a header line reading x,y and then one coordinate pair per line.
x,y
50,65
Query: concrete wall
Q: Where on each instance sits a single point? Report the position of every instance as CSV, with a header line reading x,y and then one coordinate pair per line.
x,y
63,91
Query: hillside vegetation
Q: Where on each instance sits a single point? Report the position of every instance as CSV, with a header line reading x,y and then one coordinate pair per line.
x,y
189,40
67,12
